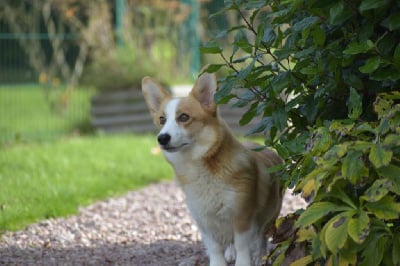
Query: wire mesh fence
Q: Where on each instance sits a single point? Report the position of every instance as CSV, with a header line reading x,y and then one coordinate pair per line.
x,y
54,55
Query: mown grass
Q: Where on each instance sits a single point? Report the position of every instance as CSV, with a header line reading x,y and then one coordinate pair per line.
x,y
51,179
45,173
29,113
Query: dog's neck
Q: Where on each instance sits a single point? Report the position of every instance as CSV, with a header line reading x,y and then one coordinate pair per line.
x,y
220,149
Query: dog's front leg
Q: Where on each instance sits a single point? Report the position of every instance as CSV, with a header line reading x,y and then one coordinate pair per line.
x,y
214,250
242,246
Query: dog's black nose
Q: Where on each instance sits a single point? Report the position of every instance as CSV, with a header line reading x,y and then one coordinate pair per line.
x,y
163,139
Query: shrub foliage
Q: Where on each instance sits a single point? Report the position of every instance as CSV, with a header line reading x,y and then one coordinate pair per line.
x,y
323,79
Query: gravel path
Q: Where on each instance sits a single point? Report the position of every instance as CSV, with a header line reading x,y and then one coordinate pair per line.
x,y
145,227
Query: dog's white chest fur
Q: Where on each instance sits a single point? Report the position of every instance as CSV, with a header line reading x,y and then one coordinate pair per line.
x,y
212,205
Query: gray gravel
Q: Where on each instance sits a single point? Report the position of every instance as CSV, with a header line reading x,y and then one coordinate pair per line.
x,y
145,227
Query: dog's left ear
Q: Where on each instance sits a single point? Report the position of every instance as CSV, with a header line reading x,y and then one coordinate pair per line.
x,y
204,90
153,93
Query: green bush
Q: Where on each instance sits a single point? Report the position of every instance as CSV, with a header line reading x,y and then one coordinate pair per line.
x,y
323,76
121,68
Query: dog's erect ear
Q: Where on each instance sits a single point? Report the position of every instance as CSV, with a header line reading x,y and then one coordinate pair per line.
x,y
153,93
204,90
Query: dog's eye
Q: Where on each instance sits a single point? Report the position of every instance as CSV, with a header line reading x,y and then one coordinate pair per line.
x,y
183,117
162,120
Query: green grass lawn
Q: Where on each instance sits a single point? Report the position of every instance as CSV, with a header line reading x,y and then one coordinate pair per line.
x,y
51,179
28,113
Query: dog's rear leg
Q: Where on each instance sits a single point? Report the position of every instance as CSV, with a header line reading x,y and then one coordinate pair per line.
x,y
214,250
242,246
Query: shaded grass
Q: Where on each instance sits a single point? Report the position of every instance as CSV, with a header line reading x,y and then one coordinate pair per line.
x,y
51,179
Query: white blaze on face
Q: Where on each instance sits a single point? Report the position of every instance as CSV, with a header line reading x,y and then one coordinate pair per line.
x,y
178,134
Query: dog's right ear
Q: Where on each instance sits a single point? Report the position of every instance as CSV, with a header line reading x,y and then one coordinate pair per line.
x,y
153,93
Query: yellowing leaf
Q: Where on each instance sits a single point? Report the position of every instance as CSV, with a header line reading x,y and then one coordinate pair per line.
x,y
305,233
379,156
309,188
378,190
336,232
392,140
303,261
385,209
322,140
358,227
348,257
316,211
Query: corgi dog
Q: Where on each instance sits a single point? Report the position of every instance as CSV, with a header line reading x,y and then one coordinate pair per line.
x,y
229,192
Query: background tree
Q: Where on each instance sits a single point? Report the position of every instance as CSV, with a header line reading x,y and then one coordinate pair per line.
x,y
323,78
57,37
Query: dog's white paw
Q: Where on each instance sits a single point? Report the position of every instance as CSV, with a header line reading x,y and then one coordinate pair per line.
x,y
230,253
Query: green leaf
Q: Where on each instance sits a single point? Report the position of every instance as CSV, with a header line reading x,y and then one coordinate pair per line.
x,y
386,73
281,82
391,172
242,42
385,209
305,23
338,13
358,227
282,150
249,115
255,4
336,232
379,156
373,252
279,117
372,4
318,36
269,36
392,22
310,70
243,73
391,140
213,68
284,53
260,126
275,168
353,81
335,11
223,94
339,194
211,48
370,65
354,104
396,248
358,48
317,211
396,55
353,167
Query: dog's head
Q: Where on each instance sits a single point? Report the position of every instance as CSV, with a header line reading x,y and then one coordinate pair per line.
x,y
185,123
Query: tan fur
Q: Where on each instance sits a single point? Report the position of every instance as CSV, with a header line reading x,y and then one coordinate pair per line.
x,y
228,190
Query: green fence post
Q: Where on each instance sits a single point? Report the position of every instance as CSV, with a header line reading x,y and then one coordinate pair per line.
x,y
191,36
119,21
